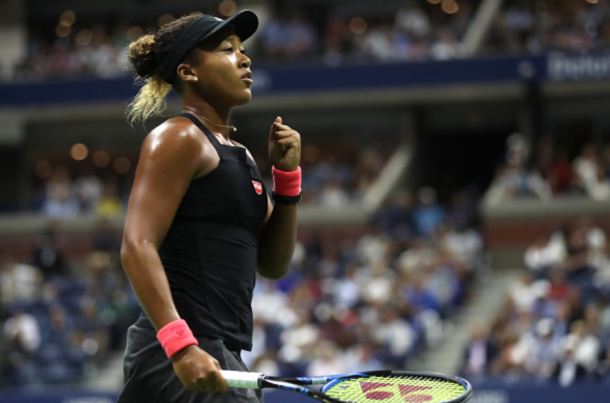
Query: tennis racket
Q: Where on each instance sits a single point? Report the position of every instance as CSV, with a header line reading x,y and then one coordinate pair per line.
x,y
363,387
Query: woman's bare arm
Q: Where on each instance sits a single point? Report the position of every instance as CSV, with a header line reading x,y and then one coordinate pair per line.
x,y
170,158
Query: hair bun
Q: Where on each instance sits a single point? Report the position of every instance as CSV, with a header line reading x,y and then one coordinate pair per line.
x,y
142,56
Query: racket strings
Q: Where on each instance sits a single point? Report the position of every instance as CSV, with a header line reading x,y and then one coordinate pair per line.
x,y
396,389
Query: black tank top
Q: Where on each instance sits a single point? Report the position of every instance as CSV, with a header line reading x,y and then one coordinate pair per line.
x,y
210,251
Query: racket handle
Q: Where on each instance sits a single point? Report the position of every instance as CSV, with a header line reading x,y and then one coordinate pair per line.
x,y
240,379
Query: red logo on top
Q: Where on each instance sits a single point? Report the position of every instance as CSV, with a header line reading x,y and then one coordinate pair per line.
x,y
258,187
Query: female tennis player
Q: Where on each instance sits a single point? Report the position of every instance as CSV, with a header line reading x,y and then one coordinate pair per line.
x,y
199,222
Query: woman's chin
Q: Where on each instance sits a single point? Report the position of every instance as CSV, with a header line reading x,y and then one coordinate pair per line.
x,y
244,97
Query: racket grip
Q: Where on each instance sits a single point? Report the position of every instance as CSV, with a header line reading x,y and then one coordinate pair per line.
x,y
240,379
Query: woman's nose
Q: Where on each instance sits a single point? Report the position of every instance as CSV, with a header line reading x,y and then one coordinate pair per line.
x,y
246,62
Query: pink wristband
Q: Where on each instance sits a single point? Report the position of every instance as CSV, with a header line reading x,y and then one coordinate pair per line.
x,y
286,183
175,336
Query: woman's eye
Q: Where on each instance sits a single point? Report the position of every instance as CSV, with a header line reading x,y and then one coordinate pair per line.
x,y
229,49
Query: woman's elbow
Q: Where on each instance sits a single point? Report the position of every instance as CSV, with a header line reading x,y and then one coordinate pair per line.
x,y
127,251
130,249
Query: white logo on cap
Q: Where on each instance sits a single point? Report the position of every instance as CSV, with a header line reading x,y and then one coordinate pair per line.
x,y
219,19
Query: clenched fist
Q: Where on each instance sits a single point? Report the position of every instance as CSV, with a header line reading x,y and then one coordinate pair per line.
x,y
199,371
284,146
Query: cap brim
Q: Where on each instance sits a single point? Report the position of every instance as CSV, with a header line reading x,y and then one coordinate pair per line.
x,y
245,24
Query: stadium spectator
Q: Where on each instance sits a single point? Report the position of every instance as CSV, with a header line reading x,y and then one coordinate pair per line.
x,y
47,255
377,42
59,329
373,246
302,36
19,343
545,253
428,215
478,353
412,20
584,345
274,36
376,291
362,358
568,370
19,282
545,350
526,292
395,335
561,177
333,195
585,168
327,360
59,201
104,238
463,244
300,340
513,182
445,46
22,332
603,371
346,291
88,189
109,204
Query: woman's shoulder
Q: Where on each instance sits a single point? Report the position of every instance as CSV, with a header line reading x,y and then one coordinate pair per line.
x,y
175,134
175,140
178,142
177,128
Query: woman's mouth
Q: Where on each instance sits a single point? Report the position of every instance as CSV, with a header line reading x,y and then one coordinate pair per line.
x,y
247,77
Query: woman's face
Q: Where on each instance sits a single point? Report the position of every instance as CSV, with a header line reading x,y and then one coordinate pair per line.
x,y
223,71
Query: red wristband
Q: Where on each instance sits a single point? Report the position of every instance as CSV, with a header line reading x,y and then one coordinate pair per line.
x,y
175,336
286,183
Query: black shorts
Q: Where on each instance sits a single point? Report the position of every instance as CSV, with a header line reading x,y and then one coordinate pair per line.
x,y
150,377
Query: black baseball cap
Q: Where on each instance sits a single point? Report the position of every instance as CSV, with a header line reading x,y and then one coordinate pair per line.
x,y
245,24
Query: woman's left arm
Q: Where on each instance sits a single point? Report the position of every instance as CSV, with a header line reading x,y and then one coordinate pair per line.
x,y
279,233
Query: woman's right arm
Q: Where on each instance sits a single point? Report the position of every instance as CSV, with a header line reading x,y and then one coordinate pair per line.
x,y
172,155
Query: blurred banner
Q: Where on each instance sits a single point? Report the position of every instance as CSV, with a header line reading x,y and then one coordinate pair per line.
x,y
554,67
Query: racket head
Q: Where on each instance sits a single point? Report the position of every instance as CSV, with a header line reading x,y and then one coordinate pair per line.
x,y
398,387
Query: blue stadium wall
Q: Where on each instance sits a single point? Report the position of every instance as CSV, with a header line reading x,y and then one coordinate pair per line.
x,y
555,67
483,394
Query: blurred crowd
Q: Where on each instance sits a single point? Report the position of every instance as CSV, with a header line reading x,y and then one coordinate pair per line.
x,y
62,194
371,301
414,31
537,26
368,300
555,324
549,172
343,34
61,318
334,177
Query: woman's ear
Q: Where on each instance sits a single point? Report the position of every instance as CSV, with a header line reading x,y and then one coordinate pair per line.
x,y
186,72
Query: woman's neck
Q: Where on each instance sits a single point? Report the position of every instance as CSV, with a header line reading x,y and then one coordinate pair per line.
x,y
215,119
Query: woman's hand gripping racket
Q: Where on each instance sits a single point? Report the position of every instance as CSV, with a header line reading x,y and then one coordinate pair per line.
x,y
363,387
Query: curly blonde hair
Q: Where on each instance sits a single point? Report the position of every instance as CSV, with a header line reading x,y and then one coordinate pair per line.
x,y
146,56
